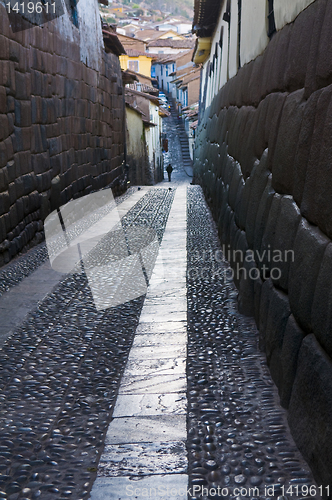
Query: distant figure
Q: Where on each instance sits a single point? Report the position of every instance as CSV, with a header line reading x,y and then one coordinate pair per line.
x,y
169,170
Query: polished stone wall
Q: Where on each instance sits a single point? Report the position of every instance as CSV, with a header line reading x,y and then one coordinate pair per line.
x,y
61,129
263,158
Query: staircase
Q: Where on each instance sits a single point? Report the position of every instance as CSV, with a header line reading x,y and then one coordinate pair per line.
x,y
186,160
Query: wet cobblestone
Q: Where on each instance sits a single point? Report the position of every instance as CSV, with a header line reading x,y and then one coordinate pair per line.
x,y
237,432
59,379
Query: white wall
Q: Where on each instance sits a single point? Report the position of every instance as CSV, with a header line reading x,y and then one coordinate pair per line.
x,y
233,50
285,11
91,38
254,37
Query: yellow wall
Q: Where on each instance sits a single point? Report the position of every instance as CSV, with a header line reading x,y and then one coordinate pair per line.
x,y
135,145
144,64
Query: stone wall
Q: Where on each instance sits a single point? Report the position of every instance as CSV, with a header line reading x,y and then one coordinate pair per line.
x,y
264,158
61,129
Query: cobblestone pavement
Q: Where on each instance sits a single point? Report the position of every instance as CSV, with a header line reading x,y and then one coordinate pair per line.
x,y
59,376
238,435
61,371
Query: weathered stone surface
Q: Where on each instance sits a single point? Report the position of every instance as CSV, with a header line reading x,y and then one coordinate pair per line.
x,y
310,408
246,152
317,204
246,300
291,345
276,55
285,149
259,176
255,84
278,314
322,303
266,293
285,233
257,299
262,215
267,244
304,144
298,50
234,184
324,53
275,107
244,202
318,9
309,246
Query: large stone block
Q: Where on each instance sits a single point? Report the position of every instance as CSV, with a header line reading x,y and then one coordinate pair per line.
x,y
235,135
278,314
285,149
286,229
259,177
310,409
246,143
243,206
245,76
276,104
3,154
293,338
3,100
4,127
322,303
4,202
324,53
303,147
309,247
246,299
234,184
266,293
255,83
238,200
22,113
22,85
318,9
258,136
262,215
265,254
257,299
317,200
298,50
4,47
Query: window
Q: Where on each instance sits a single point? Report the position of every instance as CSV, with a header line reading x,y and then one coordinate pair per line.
x,y
270,18
239,11
166,69
133,66
221,37
227,14
73,12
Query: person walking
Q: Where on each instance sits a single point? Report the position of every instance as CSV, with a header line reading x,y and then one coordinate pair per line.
x,y
169,170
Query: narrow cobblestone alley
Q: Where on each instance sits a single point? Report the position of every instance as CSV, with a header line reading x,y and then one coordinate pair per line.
x,y
164,396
